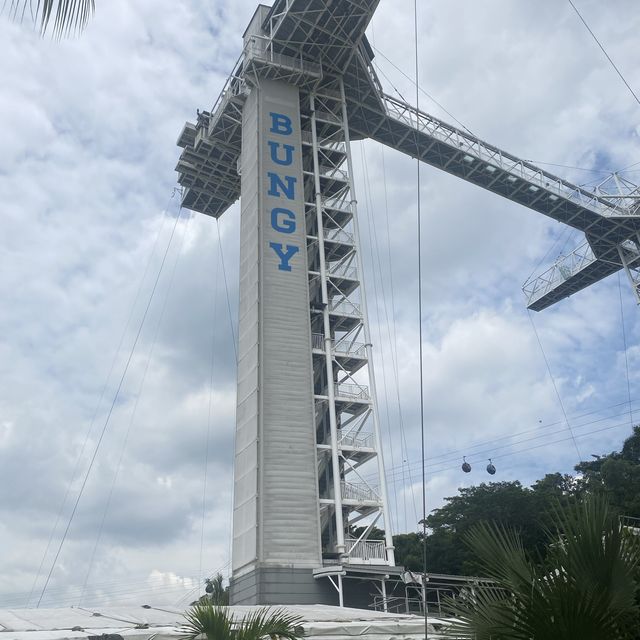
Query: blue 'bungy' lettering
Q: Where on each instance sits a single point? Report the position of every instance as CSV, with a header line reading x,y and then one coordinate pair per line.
x,y
284,256
281,124
276,182
288,152
283,220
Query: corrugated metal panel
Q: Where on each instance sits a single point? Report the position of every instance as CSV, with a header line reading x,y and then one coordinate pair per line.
x,y
289,495
275,484
245,495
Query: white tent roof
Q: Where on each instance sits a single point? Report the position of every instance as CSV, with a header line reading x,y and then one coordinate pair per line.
x,y
163,623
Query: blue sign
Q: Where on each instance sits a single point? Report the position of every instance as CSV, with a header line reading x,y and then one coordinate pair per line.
x,y
283,220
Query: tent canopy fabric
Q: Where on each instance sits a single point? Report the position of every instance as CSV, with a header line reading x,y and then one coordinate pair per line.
x,y
146,622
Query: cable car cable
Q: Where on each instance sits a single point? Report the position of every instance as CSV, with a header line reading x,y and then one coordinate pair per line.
x,y
108,418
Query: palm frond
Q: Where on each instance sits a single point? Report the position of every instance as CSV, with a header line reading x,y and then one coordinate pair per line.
x,y
501,555
62,17
266,622
586,587
207,620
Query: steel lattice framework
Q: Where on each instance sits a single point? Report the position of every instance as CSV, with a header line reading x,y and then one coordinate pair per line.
x,y
319,47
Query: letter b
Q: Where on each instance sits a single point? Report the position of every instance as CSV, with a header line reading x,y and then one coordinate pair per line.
x,y
280,124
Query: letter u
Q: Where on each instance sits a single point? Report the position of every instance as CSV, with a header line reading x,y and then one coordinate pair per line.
x,y
288,152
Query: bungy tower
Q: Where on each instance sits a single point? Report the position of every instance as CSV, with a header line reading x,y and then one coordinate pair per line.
x,y
307,432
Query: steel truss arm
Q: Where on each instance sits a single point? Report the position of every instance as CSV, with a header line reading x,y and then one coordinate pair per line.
x,y
419,135
568,275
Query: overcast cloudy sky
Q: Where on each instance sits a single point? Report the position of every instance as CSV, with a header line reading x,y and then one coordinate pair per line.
x,y
88,129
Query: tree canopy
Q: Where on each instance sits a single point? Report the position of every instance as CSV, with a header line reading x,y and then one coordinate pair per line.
x,y
585,587
527,510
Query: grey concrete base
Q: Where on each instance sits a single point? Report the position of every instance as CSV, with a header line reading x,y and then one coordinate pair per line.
x,y
279,585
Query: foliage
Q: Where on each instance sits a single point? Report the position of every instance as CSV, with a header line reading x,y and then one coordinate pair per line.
x,y
218,623
63,17
585,588
215,590
527,510
617,474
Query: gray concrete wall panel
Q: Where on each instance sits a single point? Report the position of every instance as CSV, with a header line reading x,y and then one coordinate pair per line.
x,y
276,519
281,586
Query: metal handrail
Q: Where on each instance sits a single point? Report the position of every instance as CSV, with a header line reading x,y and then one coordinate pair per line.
x,y
343,271
362,440
564,268
333,173
365,550
353,391
339,235
630,522
344,347
476,148
345,307
258,47
350,348
324,143
358,492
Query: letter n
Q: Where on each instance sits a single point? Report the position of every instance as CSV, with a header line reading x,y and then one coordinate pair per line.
x,y
275,183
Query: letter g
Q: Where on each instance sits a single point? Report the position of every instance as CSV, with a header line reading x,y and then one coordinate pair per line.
x,y
283,220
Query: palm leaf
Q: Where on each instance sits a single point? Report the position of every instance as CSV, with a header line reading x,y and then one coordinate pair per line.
x,y
585,588
501,555
209,620
264,623
217,623
63,17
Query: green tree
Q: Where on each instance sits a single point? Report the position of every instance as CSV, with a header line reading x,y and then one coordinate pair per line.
x,y
218,623
507,503
61,17
215,590
585,587
618,475
408,550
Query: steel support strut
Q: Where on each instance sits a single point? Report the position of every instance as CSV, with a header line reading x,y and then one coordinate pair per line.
x,y
388,534
631,265
327,343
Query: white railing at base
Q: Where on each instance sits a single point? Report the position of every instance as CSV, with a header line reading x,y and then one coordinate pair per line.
x,y
632,524
365,550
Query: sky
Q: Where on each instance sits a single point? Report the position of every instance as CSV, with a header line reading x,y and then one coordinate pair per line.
x,y
118,312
